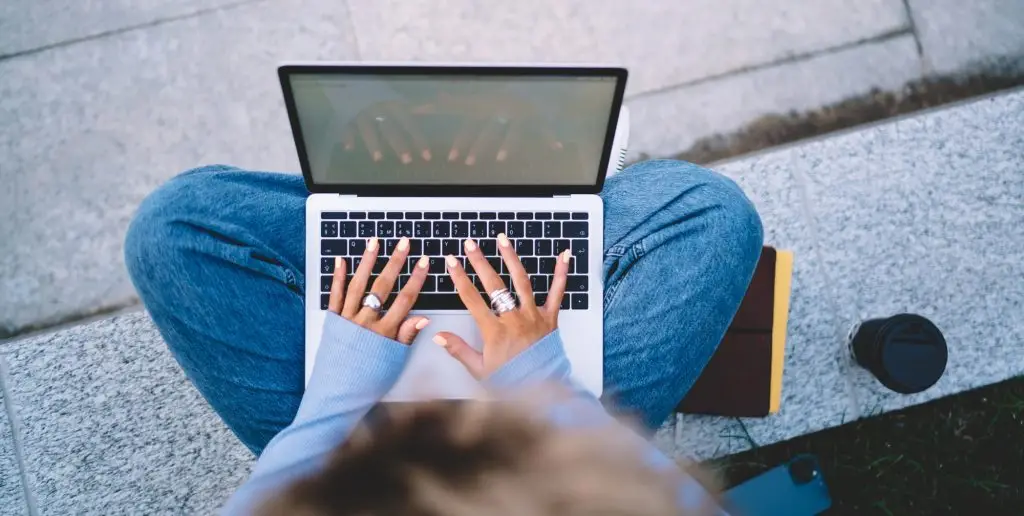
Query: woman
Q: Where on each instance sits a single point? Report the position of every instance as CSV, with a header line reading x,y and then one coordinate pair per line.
x,y
216,255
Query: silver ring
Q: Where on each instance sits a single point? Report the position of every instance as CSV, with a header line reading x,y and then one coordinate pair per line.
x,y
379,119
372,302
502,301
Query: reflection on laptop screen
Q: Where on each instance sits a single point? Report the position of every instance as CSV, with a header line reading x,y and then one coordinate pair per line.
x,y
455,129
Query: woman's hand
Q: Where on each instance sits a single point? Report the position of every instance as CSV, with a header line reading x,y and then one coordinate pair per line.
x,y
508,334
395,323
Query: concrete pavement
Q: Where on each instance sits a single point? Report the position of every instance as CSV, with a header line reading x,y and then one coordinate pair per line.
x,y
101,102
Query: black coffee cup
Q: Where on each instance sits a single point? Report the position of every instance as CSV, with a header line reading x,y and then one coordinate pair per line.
x,y
906,352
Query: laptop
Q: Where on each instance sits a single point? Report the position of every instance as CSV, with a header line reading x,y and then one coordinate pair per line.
x,y
441,153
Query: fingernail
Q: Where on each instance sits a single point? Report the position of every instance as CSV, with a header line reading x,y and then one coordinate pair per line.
x,y
422,263
451,261
470,160
440,341
502,154
453,155
337,262
377,156
470,245
502,240
566,256
371,244
422,323
426,155
349,146
557,145
403,244
406,158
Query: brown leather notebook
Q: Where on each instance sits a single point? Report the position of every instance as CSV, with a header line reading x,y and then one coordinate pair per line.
x,y
740,378
757,308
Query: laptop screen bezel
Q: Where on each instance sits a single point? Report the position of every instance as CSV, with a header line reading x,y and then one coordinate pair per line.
x,y
285,72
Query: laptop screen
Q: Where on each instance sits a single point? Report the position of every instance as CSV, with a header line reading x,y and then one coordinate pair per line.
x,y
459,129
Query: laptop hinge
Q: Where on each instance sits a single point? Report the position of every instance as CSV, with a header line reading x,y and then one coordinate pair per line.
x,y
553,196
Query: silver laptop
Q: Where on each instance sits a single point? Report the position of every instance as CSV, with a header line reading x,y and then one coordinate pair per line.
x,y
441,153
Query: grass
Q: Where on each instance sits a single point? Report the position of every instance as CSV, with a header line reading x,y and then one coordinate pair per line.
x,y
962,454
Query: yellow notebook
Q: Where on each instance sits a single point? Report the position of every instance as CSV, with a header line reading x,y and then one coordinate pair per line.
x,y
780,317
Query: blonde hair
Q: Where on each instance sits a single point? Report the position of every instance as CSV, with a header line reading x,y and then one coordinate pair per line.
x,y
471,458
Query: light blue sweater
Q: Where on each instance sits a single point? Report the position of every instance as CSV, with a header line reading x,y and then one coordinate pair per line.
x,y
355,368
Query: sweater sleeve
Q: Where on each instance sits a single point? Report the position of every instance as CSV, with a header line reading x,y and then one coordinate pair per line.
x,y
546,363
354,369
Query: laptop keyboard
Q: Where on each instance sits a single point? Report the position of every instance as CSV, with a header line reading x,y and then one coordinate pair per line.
x,y
538,238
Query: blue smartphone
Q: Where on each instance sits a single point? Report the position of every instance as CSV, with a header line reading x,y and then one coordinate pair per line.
x,y
796,488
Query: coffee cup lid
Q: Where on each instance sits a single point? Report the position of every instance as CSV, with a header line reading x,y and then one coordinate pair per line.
x,y
913,353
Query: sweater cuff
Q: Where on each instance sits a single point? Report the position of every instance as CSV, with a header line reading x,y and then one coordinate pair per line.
x,y
543,362
344,345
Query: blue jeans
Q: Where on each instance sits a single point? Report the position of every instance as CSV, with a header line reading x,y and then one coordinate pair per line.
x,y
216,255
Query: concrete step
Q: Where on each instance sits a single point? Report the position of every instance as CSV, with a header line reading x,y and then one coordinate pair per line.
x,y
110,424
110,99
919,214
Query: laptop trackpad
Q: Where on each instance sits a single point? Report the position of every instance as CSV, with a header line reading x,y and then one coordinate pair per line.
x,y
431,372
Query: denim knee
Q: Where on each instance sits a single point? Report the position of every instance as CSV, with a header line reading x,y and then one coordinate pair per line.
x,y
146,242
728,214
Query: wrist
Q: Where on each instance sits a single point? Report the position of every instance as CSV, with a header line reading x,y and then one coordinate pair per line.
x,y
543,362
